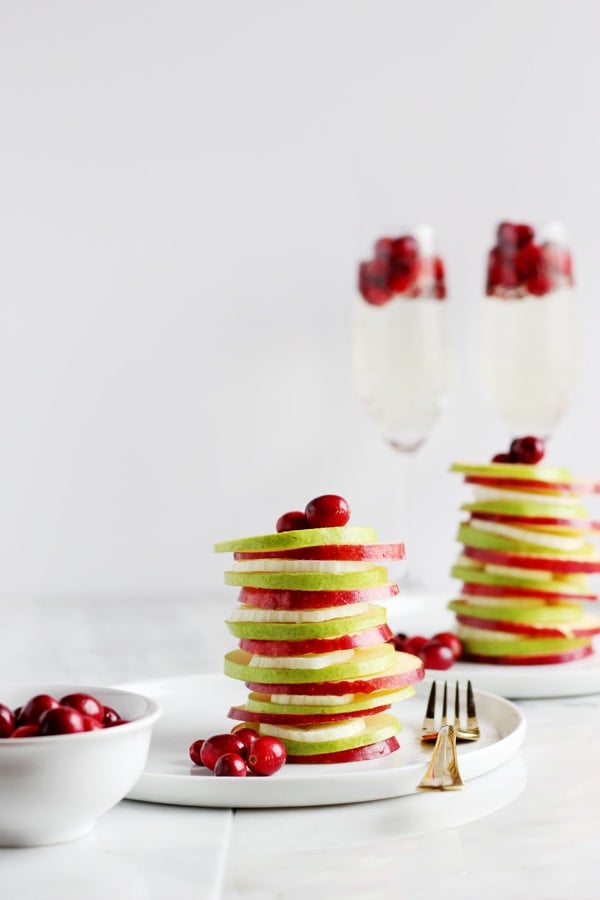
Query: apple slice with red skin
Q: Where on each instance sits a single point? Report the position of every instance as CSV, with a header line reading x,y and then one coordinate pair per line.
x,y
524,627
532,660
274,598
355,754
531,561
364,638
330,551
528,521
553,487
244,715
470,588
406,669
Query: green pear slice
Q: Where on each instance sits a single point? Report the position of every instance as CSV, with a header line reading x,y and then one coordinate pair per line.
x,y
310,581
566,585
378,728
289,631
306,537
527,509
511,646
260,703
525,613
485,540
364,661
514,471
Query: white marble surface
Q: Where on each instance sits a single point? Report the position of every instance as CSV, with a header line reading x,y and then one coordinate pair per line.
x,y
527,830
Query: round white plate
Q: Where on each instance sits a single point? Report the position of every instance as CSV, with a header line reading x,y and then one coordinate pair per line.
x,y
196,706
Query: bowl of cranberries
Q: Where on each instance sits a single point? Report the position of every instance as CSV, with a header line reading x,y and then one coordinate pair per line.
x,y
68,754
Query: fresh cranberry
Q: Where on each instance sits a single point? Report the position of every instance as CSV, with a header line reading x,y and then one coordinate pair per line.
x,y
217,745
267,755
450,640
373,281
436,655
413,644
231,764
511,235
291,521
25,731
527,450
84,704
7,721
529,261
405,249
92,724
502,270
61,720
383,248
110,716
398,641
502,458
35,708
195,752
248,736
327,511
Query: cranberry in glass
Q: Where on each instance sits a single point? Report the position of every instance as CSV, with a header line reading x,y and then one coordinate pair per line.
x,y
85,704
327,511
231,764
527,450
217,745
35,708
61,720
295,520
266,756
7,721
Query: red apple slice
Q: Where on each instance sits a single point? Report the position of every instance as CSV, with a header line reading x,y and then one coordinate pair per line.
x,y
553,487
405,669
529,629
544,563
245,715
470,588
534,660
355,754
266,598
331,551
578,525
317,645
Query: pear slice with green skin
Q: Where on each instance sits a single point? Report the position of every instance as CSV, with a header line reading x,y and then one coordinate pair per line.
x,y
365,661
353,754
484,540
534,615
539,659
290,631
514,471
378,728
403,669
526,509
515,646
549,562
306,537
265,598
548,584
262,703
310,581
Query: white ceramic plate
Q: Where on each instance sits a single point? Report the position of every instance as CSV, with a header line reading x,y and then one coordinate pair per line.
x,y
196,706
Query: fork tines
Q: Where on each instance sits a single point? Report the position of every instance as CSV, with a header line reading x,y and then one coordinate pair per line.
x,y
429,729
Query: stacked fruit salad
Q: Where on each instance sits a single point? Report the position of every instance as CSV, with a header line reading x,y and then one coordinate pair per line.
x,y
315,649
525,561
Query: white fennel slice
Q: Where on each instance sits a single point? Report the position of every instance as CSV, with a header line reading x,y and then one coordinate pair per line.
x,y
333,566
539,538
308,661
245,613
345,729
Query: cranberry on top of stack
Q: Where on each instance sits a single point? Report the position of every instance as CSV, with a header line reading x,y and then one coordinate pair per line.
x,y
519,266
315,648
403,267
525,561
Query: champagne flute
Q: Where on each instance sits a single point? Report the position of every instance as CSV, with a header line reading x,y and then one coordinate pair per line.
x,y
401,359
528,329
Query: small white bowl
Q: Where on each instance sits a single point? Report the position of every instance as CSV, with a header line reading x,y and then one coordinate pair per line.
x,y
52,789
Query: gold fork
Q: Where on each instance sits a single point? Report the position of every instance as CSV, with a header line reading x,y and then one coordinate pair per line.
x,y
470,732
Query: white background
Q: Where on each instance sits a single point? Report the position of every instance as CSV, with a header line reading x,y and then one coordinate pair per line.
x,y
185,191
